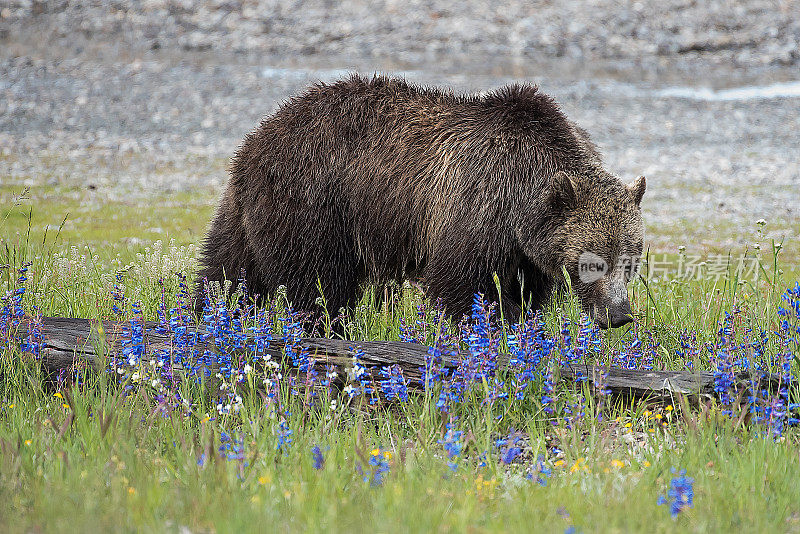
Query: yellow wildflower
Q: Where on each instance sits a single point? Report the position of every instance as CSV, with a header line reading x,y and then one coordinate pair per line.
x,y
485,488
578,465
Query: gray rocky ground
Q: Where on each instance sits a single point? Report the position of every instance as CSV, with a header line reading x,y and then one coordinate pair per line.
x,y
143,97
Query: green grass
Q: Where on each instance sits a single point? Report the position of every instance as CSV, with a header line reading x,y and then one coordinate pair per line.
x,y
93,458
109,224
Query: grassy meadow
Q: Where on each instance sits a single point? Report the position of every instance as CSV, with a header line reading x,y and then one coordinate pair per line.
x,y
136,448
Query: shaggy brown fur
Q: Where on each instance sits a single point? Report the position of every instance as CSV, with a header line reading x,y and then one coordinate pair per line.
x,y
371,180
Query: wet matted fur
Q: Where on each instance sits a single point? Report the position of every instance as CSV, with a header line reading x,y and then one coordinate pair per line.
x,y
368,180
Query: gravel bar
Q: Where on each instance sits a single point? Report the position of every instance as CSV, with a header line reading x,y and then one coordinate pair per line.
x,y
140,98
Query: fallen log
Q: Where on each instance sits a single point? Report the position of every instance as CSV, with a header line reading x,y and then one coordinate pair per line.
x,y
67,342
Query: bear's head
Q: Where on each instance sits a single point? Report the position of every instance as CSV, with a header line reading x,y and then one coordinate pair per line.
x,y
597,237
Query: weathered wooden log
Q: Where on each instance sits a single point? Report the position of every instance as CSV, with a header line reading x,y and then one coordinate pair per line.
x,y
68,342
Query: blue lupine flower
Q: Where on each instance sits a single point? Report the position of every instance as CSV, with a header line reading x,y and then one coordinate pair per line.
x,y
34,341
725,379
778,411
261,334
12,312
231,447
542,471
284,434
118,294
162,327
548,391
482,345
512,449
452,445
417,332
681,493
319,459
133,338
394,385
292,338
574,412
442,403
364,379
377,466
496,391
443,343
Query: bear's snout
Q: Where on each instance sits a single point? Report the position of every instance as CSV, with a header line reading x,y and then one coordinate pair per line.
x,y
612,315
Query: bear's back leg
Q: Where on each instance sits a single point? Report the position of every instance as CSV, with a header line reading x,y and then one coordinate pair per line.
x,y
224,253
306,247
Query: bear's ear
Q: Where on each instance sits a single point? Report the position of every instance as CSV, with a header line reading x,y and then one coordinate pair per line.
x,y
637,189
562,191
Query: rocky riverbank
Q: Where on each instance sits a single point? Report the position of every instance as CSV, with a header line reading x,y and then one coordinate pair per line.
x,y
143,97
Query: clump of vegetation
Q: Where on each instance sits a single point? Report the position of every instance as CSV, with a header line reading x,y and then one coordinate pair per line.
x,y
213,433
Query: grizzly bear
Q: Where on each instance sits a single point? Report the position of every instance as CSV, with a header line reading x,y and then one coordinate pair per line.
x,y
369,180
